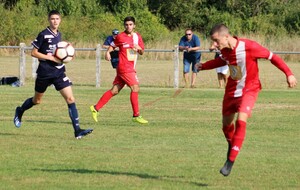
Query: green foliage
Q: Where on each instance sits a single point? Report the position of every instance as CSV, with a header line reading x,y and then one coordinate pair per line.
x,y
93,20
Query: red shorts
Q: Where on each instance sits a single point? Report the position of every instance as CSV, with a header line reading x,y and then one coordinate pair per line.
x,y
244,103
129,79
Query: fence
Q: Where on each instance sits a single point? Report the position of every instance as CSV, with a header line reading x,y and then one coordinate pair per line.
x,y
23,48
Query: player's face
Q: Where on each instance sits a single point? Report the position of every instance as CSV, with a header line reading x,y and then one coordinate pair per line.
x,y
129,27
219,40
54,21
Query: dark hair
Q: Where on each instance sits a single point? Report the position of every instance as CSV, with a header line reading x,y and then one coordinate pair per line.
x,y
219,28
129,18
53,12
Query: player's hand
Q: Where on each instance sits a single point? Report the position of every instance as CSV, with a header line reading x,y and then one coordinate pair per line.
x,y
198,66
107,56
54,59
292,81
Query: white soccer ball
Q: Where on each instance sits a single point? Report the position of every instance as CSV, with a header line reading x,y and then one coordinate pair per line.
x,y
64,51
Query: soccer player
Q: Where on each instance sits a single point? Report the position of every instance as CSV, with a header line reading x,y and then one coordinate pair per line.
x,y
243,86
130,44
109,41
51,71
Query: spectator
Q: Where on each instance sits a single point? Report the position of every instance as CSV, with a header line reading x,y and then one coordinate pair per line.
x,y
109,41
190,44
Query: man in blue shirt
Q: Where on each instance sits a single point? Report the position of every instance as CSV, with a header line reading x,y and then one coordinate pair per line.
x,y
51,71
114,54
190,44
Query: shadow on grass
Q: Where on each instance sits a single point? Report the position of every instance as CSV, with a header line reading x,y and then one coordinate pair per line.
x,y
140,175
48,121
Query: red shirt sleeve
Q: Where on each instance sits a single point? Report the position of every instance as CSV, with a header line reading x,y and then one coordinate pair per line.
x,y
212,64
262,52
280,64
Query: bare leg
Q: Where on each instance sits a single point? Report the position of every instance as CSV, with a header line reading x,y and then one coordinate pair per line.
x,y
194,75
186,80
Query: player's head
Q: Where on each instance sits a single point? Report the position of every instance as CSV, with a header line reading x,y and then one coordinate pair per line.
x,y
220,35
129,24
115,32
54,19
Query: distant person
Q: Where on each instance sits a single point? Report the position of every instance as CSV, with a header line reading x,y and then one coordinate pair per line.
x,y
109,41
130,44
51,71
221,71
241,55
190,44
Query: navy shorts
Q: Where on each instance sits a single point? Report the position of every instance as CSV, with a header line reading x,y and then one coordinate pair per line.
x,y
59,83
114,62
188,62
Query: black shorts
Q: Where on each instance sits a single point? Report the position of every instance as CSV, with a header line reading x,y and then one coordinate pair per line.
x,y
61,82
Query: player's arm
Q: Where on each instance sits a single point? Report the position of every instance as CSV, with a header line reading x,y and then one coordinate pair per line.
x,y
281,65
105,46
138,49
259,51
212,64
107,55
35,53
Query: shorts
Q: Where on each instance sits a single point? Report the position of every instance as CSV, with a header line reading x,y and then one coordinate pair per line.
x,y
59,83
224,69
244,103
114,62
187,64
129,79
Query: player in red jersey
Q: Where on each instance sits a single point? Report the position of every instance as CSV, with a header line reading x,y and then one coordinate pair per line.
x,y
243,85
130,44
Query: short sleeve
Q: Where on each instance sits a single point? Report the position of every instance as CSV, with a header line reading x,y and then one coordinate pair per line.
x,y
181,42
197,41
37,43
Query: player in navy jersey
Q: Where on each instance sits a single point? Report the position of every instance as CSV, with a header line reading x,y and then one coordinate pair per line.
x,y
51,71
109,41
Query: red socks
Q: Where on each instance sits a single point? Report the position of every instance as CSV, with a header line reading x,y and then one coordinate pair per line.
x,y
228,132
104,99
134,99
237,139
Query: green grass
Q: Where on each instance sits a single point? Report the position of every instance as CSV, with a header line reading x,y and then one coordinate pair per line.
x,y
181,148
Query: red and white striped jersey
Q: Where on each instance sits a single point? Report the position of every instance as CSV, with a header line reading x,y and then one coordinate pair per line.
x,y
243,66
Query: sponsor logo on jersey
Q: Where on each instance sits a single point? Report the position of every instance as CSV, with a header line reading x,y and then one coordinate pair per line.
x,y
48,36
236,148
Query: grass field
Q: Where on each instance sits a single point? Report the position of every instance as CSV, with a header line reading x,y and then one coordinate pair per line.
x,y
182,147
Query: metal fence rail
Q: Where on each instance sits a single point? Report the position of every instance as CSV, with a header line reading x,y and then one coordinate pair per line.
x,y
23,48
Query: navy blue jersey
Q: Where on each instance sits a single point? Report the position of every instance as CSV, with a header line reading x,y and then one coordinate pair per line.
x,y
45,43
109,41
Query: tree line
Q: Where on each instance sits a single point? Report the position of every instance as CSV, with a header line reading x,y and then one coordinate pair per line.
x,y
87,21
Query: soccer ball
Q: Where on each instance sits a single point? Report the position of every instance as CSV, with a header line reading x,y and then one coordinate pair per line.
x,y
64,51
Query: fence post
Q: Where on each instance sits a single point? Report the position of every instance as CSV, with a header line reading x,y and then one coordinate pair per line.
x,y
98,65
22,63
176,67
34,67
